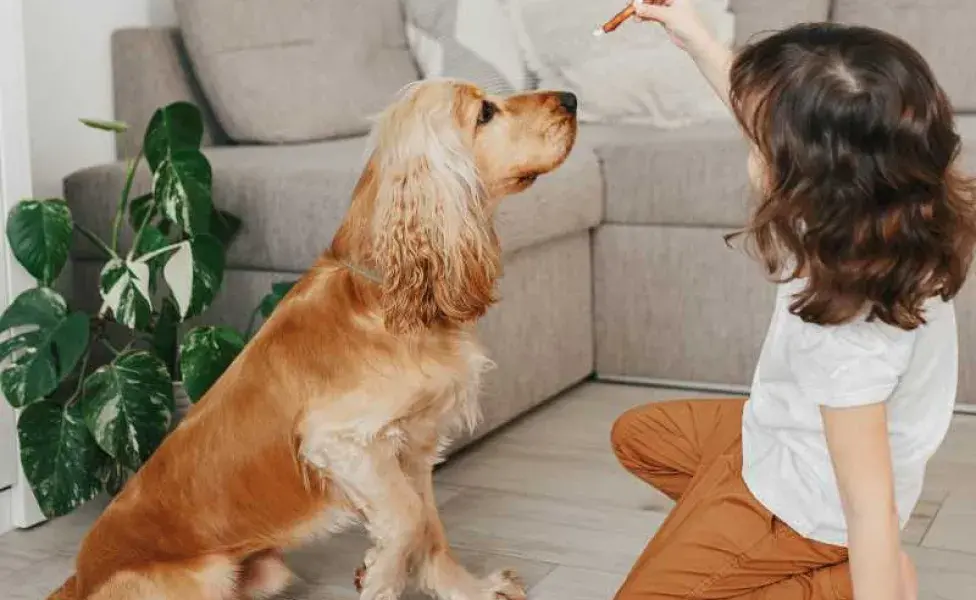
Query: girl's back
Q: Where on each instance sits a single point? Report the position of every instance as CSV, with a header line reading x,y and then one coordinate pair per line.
x,y
805,366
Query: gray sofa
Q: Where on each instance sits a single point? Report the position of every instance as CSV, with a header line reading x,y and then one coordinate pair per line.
x,y
615,263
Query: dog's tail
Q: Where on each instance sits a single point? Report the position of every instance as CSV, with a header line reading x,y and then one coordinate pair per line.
x,y
68,591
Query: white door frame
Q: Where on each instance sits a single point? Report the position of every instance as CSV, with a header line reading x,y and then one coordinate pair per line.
x,y
15,184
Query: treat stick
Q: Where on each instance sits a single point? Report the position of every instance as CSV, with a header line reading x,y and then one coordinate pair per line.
x,y
616,21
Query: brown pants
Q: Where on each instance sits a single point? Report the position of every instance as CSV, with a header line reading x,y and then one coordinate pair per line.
x,y
719,542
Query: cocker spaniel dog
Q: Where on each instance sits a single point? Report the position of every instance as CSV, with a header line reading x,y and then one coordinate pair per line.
x,y
336,411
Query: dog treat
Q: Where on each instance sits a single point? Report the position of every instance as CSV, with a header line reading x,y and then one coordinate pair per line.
x,y
616,21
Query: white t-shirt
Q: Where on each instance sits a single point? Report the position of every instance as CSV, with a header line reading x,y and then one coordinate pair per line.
x,y
803,366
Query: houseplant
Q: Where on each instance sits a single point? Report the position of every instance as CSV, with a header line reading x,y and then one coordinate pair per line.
x,y
206,352
85,427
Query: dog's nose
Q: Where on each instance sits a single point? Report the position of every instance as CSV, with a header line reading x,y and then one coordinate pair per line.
x,y
568,101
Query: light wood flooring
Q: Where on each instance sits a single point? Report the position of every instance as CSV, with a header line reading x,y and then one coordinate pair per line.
x,y
546,497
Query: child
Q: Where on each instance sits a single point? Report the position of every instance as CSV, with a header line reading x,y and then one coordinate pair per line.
x,y
799,493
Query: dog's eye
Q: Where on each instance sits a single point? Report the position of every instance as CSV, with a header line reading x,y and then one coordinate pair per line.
x,y
487,113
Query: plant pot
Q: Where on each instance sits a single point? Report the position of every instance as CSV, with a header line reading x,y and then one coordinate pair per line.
x,y
182,401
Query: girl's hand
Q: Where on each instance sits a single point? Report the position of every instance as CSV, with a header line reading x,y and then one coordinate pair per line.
x,y
679,18
689,32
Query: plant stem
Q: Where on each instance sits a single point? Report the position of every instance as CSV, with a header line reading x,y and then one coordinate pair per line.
x,y
88,233
151,255
142,227
250,324
80,389
124,200
109,345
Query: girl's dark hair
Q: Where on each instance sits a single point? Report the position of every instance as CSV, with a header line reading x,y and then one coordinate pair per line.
x,y
861,193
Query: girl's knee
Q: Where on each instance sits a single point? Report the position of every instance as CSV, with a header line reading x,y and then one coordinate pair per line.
x,y
622,436
630,434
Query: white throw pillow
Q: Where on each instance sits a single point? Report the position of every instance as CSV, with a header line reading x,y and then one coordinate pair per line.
x,y
472,40
634,75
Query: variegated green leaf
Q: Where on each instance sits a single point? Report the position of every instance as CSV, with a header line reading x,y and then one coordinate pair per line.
x,y
175,127
113,475
224,226
46,348
205,354
39,232
164,334
278,292
61,459
142,209
124,286
152,239
194,274
182,189
181,173
128,406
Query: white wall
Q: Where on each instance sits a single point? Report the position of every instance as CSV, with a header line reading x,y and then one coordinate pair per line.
x,y
69,75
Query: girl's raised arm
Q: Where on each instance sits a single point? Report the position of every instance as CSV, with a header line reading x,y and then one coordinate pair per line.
x,y
689,32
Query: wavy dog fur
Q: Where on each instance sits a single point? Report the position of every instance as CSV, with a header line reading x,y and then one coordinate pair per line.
x,y
861,193
335,412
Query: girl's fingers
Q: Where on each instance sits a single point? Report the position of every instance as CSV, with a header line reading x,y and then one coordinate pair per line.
x,y
650,12
648,19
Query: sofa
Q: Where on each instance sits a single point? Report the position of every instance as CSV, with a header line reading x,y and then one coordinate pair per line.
x,y
615,264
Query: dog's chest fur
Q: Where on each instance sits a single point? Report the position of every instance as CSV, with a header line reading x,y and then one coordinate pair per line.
x,y
409,405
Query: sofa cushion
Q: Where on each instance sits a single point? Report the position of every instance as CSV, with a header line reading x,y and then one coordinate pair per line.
x,y
293,198
472,40
756,17
691,176
149,70
293,70
676,303
942,31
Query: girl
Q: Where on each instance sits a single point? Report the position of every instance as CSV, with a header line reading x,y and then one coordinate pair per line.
x,y
799,493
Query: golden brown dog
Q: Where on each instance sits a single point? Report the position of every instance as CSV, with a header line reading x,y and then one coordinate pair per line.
x,y
335,412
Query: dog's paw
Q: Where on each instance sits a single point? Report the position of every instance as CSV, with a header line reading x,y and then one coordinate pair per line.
x,y
386,594
506,585
375,593
359,577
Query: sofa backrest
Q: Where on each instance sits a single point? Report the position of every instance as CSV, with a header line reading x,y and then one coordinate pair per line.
x,y
151,67
755,17
941,30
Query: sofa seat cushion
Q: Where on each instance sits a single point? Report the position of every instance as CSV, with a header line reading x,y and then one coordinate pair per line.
x,y
293,198
689,176
942,31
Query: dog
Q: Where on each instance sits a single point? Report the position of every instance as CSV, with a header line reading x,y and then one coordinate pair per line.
x,y
337,410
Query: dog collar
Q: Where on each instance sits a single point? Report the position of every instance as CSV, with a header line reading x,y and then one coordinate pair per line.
x,y
365,273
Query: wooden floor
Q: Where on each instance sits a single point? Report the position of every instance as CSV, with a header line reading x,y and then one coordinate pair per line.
x,y
546,497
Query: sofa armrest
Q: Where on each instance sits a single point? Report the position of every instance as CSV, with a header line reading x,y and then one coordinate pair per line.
x,y
150,69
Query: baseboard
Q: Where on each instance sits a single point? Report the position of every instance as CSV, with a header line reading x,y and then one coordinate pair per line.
x,y
718,388
6,511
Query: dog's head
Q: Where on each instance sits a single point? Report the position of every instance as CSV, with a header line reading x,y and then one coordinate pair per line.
x,y
443,156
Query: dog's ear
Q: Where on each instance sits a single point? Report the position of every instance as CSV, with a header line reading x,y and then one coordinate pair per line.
x,y
434,245
432,235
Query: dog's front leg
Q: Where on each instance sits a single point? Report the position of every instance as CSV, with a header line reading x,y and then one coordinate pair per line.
x,y
438,570
371,476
